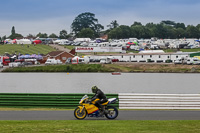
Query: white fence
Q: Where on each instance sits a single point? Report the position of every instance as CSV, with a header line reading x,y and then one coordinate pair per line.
x,y
159,101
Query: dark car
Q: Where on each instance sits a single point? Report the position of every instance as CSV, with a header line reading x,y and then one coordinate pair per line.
x,y
92,60
27,63
187,47
115,60
68,61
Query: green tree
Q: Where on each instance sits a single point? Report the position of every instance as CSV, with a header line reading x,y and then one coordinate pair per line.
x,y
161,31
98,28
31,36
165,29
180,33
152,30
86,33
180,25
198,26
86,20
168,22
13,31
53,36
4,38
113,24
63,34
136,23
42,35
192,32
138,31
16,35
120,32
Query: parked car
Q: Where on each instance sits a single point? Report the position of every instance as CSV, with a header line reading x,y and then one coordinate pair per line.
x,y
92,60
187,47
97,60
115,60
27,63
52,62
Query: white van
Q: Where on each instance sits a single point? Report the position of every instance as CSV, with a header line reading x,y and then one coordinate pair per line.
x,y
15,64
178,61
106,60
52,62
78,60
1,65
193,61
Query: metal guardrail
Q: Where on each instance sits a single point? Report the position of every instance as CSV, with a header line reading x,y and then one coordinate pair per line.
x,y
69,101
159,101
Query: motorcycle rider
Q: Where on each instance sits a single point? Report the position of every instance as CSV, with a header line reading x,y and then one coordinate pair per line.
x,y
99,94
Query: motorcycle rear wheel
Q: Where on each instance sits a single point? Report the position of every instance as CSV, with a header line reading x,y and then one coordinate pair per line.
x,y
112,112
80,115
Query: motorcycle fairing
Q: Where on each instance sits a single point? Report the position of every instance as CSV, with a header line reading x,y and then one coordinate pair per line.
x,y
91,108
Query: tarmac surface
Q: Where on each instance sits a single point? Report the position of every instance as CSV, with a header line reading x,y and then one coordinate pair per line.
x,y
123,115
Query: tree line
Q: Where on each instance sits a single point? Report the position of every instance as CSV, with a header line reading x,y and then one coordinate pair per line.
x,y
62,35
165,29
86,25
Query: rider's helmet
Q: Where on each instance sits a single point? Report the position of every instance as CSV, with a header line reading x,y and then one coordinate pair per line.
x,y
94,89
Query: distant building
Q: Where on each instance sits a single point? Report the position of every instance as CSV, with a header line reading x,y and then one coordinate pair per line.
x,y
104,37
147,57
61,55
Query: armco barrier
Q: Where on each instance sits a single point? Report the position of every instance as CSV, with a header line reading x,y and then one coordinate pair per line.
x,y
69,101
159,101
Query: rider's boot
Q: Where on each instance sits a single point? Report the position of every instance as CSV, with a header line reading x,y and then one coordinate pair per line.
x,y
103,111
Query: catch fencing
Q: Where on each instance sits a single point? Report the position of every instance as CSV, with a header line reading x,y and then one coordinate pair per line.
x,y
69,101
159,101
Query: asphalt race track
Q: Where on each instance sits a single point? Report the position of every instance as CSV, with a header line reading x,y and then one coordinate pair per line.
x,y
123,115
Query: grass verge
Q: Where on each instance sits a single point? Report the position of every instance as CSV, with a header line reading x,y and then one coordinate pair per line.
x,y
60,68
98,126
117,67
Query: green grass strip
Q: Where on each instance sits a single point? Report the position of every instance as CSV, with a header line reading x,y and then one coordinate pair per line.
x,y
25,49
61,68
99,126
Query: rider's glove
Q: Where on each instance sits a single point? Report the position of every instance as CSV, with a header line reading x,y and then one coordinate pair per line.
x,y
89,101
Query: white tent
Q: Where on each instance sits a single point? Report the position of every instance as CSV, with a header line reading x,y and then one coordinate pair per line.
x,y
82,40
24,41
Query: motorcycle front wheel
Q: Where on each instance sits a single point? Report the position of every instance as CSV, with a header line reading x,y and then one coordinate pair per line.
x,y
112,112
80,115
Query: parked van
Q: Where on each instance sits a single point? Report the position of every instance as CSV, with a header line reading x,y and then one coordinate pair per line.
x,y
178,61
78,60
52,62
193,61
5,60
106,60
16,64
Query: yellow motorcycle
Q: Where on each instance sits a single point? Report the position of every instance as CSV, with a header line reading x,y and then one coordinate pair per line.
x,y
90,110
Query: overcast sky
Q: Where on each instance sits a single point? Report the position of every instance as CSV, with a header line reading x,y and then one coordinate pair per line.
x,y
51,16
